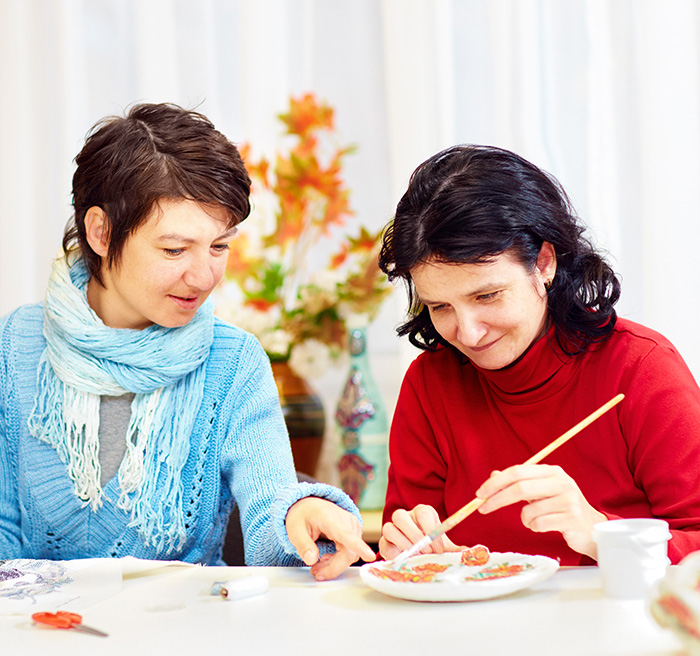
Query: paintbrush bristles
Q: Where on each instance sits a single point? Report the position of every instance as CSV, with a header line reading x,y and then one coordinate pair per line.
x,y
466,510
412,551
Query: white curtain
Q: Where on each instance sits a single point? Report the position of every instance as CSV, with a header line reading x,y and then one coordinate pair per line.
x,y
604,94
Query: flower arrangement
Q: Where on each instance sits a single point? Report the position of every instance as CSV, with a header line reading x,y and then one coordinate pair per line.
x,y
300,312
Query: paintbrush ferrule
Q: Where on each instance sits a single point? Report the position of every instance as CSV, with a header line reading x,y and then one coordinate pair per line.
x,y
412,551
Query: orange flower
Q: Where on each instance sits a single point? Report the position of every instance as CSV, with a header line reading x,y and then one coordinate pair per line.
x,y
365,242
307,114
310,200
239,260
261,304
341,256
292,220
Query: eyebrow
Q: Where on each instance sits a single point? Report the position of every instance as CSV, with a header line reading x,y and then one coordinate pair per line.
x,y
173,236
484,289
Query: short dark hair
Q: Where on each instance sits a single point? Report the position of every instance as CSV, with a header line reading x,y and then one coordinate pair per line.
x,y
468,204
154,152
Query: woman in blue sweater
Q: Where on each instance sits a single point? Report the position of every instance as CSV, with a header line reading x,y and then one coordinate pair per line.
x,y
131,419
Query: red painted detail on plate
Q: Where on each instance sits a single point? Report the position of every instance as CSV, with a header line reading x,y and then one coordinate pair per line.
x,y
476,555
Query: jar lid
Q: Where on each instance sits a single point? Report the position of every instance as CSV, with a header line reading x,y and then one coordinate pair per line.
x,y
647,530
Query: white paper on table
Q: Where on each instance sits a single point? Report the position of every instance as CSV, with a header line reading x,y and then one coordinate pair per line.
x,y
29,585
135,568
47,585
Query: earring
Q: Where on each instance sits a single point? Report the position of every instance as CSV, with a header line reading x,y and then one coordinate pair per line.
x,y
547,284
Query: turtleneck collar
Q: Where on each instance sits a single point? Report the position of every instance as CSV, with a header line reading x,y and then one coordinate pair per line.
x,y
541,372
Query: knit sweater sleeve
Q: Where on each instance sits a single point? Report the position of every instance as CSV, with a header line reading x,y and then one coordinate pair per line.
x,y
10,534
257,462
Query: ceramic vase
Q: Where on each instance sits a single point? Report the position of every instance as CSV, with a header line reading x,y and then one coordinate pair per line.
x,y
304,416
361,418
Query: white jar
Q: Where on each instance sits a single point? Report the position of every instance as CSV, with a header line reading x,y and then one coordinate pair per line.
x,y
632,555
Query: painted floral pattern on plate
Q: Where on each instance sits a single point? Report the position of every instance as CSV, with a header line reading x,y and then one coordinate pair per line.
x,y
472,566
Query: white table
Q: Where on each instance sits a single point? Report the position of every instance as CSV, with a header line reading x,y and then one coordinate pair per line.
x,y
171,612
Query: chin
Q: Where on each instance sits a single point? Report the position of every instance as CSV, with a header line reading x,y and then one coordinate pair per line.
x,y
492,364
173,322
489,366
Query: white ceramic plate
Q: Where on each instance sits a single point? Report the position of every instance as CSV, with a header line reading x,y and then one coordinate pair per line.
x,y
457,583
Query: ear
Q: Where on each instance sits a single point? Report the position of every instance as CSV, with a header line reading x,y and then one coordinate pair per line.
x,y
546,264
97,230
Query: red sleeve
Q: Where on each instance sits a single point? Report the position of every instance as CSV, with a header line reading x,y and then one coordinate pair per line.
x,y
418,467
661,422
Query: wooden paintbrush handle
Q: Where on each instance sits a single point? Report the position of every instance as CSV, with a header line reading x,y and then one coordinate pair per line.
x,y
468,509
572,431
456,518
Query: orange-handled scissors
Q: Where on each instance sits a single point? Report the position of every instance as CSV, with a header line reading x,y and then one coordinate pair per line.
x,y
65,620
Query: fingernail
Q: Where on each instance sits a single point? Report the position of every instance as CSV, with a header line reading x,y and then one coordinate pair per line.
x,y
309,557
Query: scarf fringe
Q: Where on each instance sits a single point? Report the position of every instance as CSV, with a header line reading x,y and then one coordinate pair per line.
x,y
69,421
138,487
164,367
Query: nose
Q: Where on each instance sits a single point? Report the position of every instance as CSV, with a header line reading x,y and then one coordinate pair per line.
x,y
201,274
470,329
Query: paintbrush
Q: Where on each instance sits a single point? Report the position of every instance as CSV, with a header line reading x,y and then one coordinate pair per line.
x,y
469,508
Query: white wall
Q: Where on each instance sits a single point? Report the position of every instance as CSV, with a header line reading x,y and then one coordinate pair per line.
x,y
603,94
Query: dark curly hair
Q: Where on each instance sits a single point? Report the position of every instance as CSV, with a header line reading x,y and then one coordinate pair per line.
x,y
468,204
156,151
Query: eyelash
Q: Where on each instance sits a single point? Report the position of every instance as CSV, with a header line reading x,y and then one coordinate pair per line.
x,y
487,297
174,252
491,296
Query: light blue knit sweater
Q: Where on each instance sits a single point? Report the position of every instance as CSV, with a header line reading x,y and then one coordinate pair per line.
x,y
239,454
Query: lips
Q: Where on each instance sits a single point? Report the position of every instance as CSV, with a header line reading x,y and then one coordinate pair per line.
x,y
480,349
185,302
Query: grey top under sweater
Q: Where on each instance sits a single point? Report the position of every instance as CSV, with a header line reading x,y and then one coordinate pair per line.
x,y
115,413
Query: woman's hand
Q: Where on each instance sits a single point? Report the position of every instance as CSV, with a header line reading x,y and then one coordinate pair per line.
x,y
406,528
553,500
311,518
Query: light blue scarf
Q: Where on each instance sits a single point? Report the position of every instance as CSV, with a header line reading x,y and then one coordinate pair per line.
x,y
164,367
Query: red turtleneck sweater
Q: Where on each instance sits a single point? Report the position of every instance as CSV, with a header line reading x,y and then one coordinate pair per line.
x,y
455,423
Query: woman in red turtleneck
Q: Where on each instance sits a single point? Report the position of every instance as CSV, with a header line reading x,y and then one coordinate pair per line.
x,y
514,310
